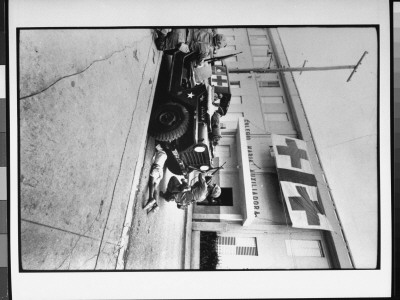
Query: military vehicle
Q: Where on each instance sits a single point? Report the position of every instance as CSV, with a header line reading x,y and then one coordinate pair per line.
x,y
183,106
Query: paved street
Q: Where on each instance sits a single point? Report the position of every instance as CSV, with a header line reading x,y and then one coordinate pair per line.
x,y
156,239
85,100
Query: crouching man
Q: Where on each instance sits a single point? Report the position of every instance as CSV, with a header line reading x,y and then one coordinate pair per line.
x,y
199,192
156,175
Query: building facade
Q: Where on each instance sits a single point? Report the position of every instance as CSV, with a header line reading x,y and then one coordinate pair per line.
x,y
251,218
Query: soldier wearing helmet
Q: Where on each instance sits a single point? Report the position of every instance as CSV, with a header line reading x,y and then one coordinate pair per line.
x,y
214,190
201,41
197,193
219,41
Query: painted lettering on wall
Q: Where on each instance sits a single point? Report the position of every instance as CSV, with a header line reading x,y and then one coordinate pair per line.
x,y
254,190
247,129
250,153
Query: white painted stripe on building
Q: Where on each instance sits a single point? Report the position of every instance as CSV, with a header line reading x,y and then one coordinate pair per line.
x,y
231,217
243,156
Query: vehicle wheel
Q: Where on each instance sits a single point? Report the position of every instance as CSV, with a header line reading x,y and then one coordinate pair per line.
x,y
169,122
173,166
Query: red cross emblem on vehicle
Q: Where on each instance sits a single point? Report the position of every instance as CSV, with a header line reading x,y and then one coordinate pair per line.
x,y
219,80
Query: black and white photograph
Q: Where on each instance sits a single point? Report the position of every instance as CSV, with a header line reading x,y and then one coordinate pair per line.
x,y
198,149
190,148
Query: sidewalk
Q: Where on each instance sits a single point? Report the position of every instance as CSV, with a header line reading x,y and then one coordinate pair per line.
x,y
159,241
85,99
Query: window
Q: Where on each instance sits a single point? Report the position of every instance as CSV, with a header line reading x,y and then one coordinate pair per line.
x,y
276,117
227,245
225,199
235,84
232,59
236,100
304,248
260,58
223,151
262,84
261,61
218,63
260,50
256,31
258,40
271,99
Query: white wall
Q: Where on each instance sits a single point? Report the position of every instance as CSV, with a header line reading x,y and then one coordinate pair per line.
x,y
272,253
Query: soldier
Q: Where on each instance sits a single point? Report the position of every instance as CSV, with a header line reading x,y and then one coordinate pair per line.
x,y
201,41
215,126
156,174
197,193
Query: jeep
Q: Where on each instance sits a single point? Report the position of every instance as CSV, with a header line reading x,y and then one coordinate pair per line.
x,y
180,118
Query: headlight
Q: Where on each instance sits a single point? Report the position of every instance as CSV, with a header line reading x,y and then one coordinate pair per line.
x,y
204,168
199,148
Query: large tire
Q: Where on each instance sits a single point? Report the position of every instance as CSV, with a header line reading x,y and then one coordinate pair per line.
x,y
173,166
169,122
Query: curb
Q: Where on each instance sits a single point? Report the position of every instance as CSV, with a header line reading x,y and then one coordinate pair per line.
x,y
188,238
125,235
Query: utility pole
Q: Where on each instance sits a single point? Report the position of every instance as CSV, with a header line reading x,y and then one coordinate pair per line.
x,y
300,69
304,64
356,67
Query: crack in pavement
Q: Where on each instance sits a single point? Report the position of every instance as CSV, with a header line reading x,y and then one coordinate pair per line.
x,y
123,152
84,235
73,247
60,229
79,72
89,259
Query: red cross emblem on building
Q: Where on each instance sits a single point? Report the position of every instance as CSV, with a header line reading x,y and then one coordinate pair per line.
x,y
304,203
294,152
219,80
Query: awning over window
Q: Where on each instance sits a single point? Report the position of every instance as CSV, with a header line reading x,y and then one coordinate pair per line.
x,y
298,183
244,174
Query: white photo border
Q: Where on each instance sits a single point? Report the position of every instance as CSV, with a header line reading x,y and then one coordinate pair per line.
x,y
199,284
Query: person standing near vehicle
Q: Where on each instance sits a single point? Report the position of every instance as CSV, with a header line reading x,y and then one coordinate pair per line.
x,y
201,41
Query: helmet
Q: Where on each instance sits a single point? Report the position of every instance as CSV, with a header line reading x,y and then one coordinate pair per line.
x,y
220,40
216,191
